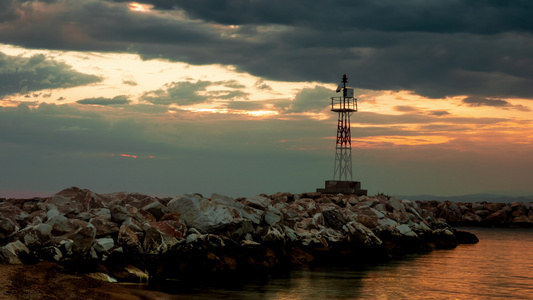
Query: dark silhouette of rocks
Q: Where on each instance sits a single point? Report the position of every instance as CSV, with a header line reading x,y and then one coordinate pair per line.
x,y
126,236
486,214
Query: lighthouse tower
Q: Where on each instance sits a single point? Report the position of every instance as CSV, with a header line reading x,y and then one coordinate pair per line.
x,y
344,106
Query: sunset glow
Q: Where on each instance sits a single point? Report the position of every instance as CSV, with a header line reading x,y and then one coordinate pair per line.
x,y
212,90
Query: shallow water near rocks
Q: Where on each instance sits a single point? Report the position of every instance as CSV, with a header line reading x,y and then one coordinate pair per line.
x,y
499,266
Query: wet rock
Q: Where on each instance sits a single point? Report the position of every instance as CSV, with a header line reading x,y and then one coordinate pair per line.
x,y
102,277
464,237
129,273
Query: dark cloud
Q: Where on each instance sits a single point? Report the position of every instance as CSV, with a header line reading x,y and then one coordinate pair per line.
x,y
484,17
118,100
22,75
475,101
434,48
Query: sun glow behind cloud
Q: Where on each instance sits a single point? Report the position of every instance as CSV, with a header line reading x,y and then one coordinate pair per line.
x,y
139,7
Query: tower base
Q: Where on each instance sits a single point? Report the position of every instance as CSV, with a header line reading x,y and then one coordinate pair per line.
x,y
343,187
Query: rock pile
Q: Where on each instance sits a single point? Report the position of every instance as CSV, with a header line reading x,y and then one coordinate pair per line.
x,y
119,234
485,214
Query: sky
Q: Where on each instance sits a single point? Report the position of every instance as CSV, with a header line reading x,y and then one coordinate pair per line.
x,y
167,97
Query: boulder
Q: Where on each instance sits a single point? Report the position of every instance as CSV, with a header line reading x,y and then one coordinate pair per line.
x,y
14,253
272,216
102,277
36,235
61,225
119,213
103,213
334,219
10,211
258,202
361,235
202,214
83,240
8,227
157,241
50,253
103,244
156,209
129,273
129,240
104,227
498,217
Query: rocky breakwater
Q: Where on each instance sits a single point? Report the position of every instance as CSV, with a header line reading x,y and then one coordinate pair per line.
x,y
485,214
128,236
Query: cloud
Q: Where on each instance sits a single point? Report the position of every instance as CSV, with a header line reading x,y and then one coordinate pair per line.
x,y
118,100
475,101
388,15
405,108
309,100
245,105
20,75
190,93
435,48
439,113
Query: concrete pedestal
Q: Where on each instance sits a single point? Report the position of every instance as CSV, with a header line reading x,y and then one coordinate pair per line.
x,y
343,187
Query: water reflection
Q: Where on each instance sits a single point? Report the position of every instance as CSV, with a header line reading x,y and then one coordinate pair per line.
x,y
499,266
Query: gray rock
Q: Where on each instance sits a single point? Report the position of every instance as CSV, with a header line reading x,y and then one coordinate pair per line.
x,y
8,227
157,209
13,252
103,244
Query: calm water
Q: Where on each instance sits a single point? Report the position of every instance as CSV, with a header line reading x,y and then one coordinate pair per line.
x,y
499,266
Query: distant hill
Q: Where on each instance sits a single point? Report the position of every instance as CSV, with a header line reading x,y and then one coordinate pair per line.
x,y
471,198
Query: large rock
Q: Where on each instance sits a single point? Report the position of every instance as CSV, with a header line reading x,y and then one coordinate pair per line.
x,y
156,209
8,227
11,211
104,227
37,235
129,240
83,240
202,214
498,217
61,225
258,202
160,237
75,200
14,253
103,244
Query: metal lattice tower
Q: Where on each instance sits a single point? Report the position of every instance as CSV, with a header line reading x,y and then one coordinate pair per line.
x,y
345,106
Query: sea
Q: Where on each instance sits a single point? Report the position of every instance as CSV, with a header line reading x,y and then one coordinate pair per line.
x,y
500,266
